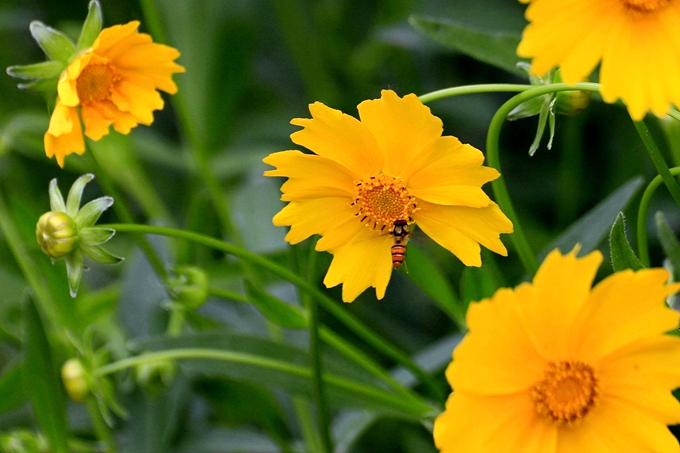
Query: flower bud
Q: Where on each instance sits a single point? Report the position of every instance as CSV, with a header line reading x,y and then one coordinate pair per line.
x,y
155,376
190,288
571,102
57,234
75,380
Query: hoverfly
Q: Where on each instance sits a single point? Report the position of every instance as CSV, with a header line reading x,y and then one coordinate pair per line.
x,y
401,235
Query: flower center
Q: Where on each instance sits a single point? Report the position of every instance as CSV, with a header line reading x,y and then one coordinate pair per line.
x,y
567,392
95,83
644,6
382,200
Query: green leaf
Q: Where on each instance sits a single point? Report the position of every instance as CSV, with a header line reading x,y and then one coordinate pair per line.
x,y
54,43
591,229
669,243
48,86
75,194
622,254
96,235
43,70
90,213
98,254
74,269
276,310
56,199
476,284
42,381
496,49
11,389
429,278
92,25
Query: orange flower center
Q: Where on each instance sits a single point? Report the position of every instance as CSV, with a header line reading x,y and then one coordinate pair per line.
x,y
645,6
382,200
567,392
95,83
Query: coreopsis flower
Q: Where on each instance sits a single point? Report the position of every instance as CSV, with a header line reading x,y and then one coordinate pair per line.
x,y
635,42
556,366
111,78
371,179
68,231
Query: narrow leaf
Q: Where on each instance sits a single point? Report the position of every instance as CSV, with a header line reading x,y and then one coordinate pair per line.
x,y
74,269
496,49
43,70
56,199
276,310
669,243
54,43
476,285
11,389
591,229
92,25
622,254
76,193
42,381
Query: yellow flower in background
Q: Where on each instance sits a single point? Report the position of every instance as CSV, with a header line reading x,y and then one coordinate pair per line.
x,y
636,41
114,82
556,366
391,165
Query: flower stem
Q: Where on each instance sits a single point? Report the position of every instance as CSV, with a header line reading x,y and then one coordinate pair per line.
x,y
643,212
337,382
519,239
658,160
473,89
329,304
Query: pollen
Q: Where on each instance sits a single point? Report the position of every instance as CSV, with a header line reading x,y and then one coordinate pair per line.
x,y
95,82
382,200
645,6
567,392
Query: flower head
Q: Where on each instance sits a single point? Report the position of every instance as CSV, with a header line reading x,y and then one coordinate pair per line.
x,y
391,166
111,78
557,366
637,43
68,231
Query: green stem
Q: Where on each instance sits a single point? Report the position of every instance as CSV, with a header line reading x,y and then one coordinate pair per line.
x,y
226,294
310,434
100,427
322,412
359,389
329,304
176,322
473,89
492,147
643,212
658,160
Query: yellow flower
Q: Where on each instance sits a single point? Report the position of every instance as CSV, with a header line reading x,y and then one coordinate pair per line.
x,y
636,41
114,82
392,165
554,366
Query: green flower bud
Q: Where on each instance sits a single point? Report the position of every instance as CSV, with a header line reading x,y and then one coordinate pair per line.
x,y
190,288
23,442
57,234
155,376
74,377
571,102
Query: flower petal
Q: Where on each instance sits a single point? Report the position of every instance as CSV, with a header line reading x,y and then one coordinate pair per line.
x,y
64,136
403,128
95,120
461,229
341,138
313,216
138,96
363,262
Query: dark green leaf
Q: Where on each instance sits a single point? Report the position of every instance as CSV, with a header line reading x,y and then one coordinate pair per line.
x,y
429,278
622,254
43,70
42,381
11,389
54,43
497,49
92,25
276,310
669,243
591,229
476,285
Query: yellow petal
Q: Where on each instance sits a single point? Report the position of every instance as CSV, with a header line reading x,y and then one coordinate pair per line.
x,y
152,60
137,96
403,128
95,120
509,366
503,424
315,216
628,306
70,137
461,229
112,36
364,262
341,138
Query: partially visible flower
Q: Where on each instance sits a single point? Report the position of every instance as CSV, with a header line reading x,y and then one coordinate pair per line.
x,y
68,231
391,166
636,43
556,366
111,78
